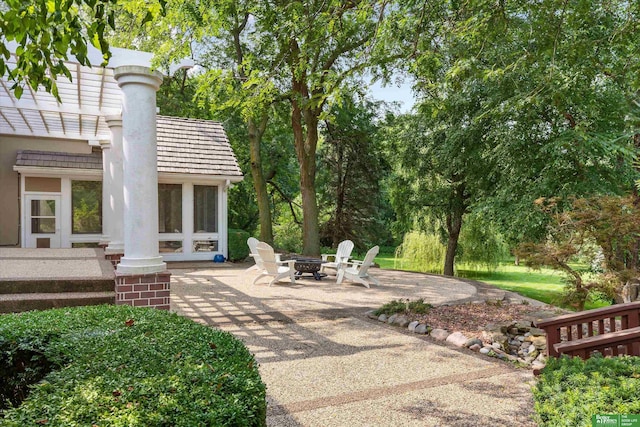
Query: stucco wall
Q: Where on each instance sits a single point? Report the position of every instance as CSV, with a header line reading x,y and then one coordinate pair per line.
x,y
9,185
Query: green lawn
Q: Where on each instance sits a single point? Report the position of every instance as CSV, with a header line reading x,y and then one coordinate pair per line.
x,y
543,285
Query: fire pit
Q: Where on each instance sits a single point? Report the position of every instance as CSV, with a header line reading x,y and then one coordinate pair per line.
x,y
308,266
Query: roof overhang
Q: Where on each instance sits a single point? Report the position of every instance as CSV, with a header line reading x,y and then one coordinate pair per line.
x,y
90,96
192,177
58,172
164,177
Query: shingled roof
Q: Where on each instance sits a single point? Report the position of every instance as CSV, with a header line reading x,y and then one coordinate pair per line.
x,y
195,147
185,146
51,159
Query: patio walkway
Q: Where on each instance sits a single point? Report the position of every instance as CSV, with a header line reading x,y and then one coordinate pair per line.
x,y
325,364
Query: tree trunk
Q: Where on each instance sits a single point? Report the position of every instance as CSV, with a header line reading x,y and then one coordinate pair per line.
x,y
259,183
338,227
305,138
307,159
454,224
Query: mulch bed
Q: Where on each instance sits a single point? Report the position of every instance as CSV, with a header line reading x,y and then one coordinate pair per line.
x,y
471,319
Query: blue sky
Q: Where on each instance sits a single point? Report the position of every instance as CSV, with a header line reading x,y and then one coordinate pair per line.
x,y
394,93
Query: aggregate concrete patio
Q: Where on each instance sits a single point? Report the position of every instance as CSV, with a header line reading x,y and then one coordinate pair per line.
x,y
325,364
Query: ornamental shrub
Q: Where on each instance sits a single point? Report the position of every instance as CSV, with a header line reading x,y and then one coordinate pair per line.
x,y
124,366
570,391
238,248
404,306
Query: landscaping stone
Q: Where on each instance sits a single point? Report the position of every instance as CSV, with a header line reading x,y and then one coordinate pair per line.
x,y
371,315
539,342
536,332
457,338
475,347
439,334
421,329
473,341
382,317
391,319
412,326
399,320
486,350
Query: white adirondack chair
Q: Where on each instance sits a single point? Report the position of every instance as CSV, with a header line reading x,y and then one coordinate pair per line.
x,y
358,271
271,266
342,255
252,242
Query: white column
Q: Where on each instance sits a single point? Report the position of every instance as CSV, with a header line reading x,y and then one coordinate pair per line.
x,y
116,195
107,188
140,168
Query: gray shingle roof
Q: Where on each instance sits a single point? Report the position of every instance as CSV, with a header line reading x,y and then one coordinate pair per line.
x,y
194,146
50,159
185,146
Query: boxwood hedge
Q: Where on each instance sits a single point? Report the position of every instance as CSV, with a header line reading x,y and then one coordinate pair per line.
x,y
124,366
570,391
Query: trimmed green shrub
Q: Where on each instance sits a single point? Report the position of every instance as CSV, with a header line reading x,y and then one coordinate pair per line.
x,y
238,249
404,306
570,391
124,366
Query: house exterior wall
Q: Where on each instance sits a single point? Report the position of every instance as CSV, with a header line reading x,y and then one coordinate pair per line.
x,y
9,179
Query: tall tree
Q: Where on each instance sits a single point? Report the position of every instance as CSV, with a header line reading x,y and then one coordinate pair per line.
x,y
322,44
351,173
437,154
547,89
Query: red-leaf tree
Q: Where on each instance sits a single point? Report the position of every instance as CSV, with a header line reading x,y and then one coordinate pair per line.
x,y
606,225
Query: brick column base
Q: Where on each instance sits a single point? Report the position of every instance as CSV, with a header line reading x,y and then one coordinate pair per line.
x,y
144,290
114,258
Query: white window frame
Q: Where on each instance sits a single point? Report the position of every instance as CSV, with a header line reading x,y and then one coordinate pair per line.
x,y
188,235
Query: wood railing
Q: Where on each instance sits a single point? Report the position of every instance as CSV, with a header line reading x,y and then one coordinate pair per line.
x,y
610,330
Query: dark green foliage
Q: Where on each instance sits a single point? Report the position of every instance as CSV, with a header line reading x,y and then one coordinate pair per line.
x,y
570,391
399,306
125,366
238,249
350,172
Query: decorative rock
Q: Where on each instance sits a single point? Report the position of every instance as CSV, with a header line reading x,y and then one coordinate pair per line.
x,y
500,338
492,327
412,326
439,334
486,350
537,366
520,338
497,346
475,347
522,325
541,359
539,342
400,320
536,332
457,338
421,329
392,319
473,341
371,315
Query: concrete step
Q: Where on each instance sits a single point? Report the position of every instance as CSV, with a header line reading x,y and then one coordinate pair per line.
x,y
34,285
13,303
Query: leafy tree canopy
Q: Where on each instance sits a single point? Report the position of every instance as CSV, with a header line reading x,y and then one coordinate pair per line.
x,y
47,32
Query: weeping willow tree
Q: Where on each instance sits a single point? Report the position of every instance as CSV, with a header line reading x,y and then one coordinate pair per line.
x,y
420,251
